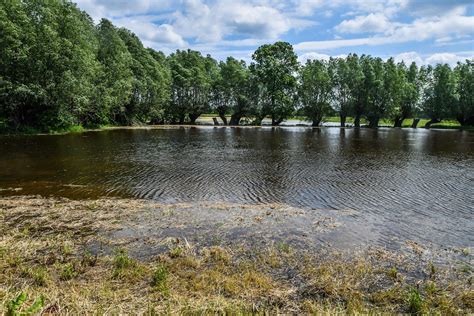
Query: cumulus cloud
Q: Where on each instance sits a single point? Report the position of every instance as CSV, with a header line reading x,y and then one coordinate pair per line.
x,y
446,58
239,26
213,22
419,30
409,57
372,23
433,59
313,56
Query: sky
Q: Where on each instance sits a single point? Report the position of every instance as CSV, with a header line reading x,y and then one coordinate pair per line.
x,y
424,31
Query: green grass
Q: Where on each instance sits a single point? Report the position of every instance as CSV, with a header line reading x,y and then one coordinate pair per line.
x,y
38,274
406,123
26,130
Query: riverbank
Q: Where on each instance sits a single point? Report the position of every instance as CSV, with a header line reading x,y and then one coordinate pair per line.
x,y
208,120
133,256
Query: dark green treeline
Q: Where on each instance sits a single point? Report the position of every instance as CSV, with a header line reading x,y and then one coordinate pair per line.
x,y
58,69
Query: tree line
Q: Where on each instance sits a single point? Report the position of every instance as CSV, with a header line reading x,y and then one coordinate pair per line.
x,y
59,69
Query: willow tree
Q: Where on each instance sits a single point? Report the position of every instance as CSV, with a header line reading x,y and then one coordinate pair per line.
x,y
463,109
440,95
150,84
315,90
274,68
231,91
359,85
341,77
191,75
48,62
115,83
409,93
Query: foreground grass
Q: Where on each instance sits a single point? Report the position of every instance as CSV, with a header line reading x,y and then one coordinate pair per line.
x,y
47,264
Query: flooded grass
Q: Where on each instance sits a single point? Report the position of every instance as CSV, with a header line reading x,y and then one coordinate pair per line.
x,y
63,256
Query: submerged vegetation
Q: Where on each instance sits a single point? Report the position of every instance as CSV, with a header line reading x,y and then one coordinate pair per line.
x,y
60,72
62,256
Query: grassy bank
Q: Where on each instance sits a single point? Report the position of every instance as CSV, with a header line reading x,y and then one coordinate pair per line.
x,y
206,119
62,256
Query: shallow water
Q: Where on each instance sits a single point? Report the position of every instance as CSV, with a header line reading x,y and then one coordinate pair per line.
x,y
399,184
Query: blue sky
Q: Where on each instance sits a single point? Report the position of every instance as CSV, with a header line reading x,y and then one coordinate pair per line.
x,y
428,32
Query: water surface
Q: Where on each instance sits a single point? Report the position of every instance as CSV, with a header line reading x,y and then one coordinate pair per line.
x,y
400,184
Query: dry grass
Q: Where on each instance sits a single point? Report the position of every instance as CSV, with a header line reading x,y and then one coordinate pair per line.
x,y
46,253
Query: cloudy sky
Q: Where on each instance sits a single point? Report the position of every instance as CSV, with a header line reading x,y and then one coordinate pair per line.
x,y
425,31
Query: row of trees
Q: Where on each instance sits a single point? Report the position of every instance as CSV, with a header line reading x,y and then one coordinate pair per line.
x,y
58,69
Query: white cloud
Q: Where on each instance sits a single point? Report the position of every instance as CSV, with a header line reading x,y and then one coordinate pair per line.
x,y
144,28
420,30
213,22
409,57
372,23
318,56
313,56
446,58
226,27
433,59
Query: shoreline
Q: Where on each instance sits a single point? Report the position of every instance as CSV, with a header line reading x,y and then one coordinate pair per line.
x,y
128,255
176,126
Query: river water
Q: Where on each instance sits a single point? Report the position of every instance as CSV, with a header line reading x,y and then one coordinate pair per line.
x,y
400,184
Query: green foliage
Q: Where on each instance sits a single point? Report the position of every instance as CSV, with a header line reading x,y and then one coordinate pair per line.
x,y
232,91
59,72
191,75
415,302
14,307
440,95
122,260
160,279
68,272
274,69
463,109
315,90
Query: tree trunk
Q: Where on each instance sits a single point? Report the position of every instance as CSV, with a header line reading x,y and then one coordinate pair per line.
x,y
469,121
223,118
258,121
398,121
357,120
374,122
466,121
182,117
193,117
235,119
431,122
343,120
316,122
276,122
415,123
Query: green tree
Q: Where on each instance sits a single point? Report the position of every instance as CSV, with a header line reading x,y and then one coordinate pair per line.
x,y
341,78
359,85
440,95
231,91
315,90
409,93
274,68
384,86
150,84
463,109
191,85
48,63
115,83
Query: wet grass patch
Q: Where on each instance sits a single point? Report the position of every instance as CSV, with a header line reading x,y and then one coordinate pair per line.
x,y
188,278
